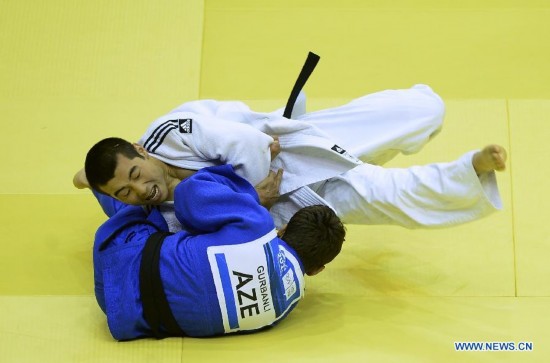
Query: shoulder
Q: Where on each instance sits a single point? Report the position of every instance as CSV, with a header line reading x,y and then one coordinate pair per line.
x,y
122,224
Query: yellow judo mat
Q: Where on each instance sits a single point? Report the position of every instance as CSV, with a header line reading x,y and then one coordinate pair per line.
x,y
73,72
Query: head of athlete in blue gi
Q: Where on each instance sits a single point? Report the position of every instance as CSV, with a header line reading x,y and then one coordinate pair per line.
x,y
316,234
126,172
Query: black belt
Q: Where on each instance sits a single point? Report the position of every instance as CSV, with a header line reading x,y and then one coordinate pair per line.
x,y
156,309
307,69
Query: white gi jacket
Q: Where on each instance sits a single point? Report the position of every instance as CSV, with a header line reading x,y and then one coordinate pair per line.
x,y
206,133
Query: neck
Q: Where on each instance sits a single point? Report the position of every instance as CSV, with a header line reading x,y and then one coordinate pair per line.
x,y
173,176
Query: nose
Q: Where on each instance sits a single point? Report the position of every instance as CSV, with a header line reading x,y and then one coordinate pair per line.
x,y
140,189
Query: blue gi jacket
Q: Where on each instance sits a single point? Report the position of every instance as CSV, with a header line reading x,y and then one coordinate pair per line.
x,y
230,274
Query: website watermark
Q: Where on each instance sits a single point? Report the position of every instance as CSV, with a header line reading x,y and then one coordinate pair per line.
x,y
493,346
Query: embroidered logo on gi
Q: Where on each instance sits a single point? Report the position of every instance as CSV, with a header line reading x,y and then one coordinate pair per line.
x,y
338,149
186,125
343,152
281,258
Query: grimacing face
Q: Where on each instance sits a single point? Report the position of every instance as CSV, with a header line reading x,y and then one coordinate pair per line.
x,y
138,181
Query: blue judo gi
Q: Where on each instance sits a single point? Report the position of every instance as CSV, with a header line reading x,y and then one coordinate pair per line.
x,y
227,272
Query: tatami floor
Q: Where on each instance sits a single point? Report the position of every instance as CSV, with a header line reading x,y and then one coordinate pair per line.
x,y
73,72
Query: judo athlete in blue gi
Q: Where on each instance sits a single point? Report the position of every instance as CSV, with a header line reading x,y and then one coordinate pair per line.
x,y
227,272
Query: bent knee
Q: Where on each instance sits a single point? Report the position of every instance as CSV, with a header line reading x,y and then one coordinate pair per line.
x,y
437,111
433,107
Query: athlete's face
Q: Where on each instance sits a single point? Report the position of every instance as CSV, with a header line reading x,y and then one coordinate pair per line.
x,y
139,181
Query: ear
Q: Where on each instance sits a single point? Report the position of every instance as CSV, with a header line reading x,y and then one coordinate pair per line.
x,y
281,232
140,149
315,272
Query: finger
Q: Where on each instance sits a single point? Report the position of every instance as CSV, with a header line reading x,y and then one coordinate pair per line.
x,y
275,147
279,176
269,178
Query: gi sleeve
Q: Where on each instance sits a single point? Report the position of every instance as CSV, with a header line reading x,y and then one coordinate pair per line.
x,y
111,207
193,141
216,198
126,224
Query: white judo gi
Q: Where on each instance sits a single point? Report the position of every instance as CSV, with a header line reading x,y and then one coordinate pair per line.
x,y
329,157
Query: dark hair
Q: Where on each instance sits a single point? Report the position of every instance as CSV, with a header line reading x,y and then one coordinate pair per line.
x,y
101,160
316,234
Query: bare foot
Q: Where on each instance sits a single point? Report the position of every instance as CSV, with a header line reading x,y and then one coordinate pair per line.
x,y
492,157
80,181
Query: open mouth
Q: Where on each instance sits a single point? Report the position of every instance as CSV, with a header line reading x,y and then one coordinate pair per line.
x,y
154,193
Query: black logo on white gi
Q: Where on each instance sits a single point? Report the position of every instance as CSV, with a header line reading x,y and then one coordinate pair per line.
x,y
338,149
343,152
186,125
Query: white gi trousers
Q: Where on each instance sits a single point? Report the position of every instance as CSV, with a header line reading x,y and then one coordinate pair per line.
x,y
434,195
375,128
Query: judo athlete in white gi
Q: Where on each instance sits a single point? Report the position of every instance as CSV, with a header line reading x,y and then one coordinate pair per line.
x,y
329,157
231,274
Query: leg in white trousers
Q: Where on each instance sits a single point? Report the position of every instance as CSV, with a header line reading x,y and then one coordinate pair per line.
x,y
431,196
378,126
